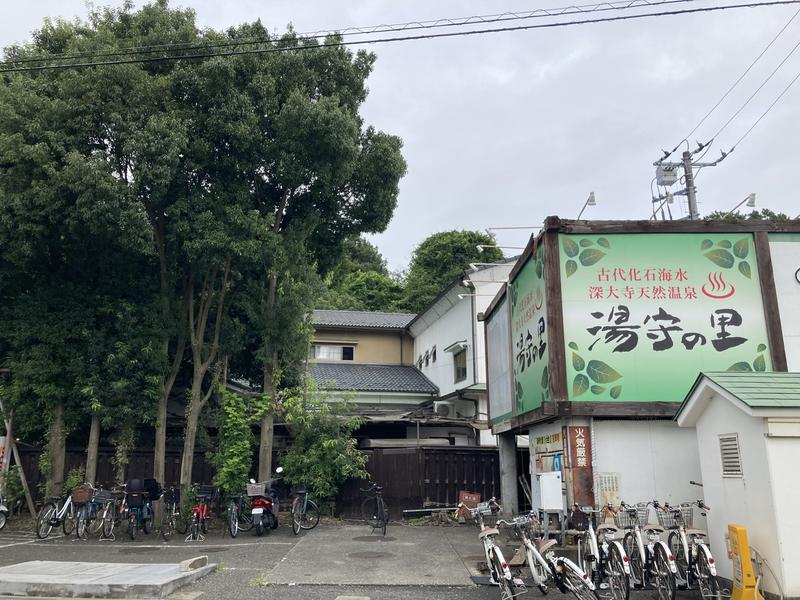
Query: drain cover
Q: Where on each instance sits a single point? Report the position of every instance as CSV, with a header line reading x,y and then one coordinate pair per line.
x,y
373,538
370,555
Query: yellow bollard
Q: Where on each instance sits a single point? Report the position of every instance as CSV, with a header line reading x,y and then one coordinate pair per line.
x,y
744,580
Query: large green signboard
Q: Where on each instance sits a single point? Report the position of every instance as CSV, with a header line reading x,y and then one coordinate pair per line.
x,y
529,336
645,313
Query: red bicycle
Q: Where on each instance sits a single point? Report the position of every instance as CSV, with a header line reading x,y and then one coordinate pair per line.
x,y
200,513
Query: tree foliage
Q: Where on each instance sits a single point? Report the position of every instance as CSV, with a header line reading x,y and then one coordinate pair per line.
x,y
763,214
155,207
323,453
439,259
234,457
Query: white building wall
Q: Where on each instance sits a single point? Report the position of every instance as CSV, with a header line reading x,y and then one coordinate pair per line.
x,y
452,326
783,455
743,500
785,264
654,460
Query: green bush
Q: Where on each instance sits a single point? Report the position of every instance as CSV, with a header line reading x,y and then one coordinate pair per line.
x,y
75,478
323,453
234,459
13,486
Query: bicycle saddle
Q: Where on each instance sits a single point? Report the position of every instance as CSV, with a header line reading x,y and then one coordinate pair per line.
x,y
609,528
692,531
545,544
654,528
487,532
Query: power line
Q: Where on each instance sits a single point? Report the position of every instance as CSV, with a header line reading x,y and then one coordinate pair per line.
x,y
769,108
742,76
758,89
368,30
403,38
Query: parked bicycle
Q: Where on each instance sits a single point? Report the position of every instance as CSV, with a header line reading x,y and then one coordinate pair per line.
x,y
57,511
651,562
139,497
171,517
695,563
239,516
374,510
4,512
111,512
198,526
304,511
83,499
545,566
602,557
499,571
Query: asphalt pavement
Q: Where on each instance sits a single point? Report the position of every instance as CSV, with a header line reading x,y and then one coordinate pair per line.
x,y
335,561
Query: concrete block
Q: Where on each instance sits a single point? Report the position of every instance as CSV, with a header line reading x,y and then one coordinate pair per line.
x,y
193,563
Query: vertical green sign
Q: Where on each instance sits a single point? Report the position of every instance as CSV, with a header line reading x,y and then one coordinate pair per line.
x,y
645,313
529,336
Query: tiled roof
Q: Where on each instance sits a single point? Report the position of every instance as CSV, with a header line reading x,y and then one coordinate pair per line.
x,y
371,378
761,390
362,319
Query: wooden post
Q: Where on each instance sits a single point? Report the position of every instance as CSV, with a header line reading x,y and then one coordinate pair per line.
x,y
23,479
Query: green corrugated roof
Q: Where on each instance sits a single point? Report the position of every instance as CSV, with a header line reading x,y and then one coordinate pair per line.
x,y
761,390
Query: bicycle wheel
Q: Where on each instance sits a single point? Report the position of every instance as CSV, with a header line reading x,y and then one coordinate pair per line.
x,y
681,562
133,526
297,516
498,574
708,584
577,585
245,520
166,523
195,527
68,524
81,523
636,560
663,577
179,522
539,572
44,521
311,516
109,521
369,510
96,524
233,519
147,523
615,574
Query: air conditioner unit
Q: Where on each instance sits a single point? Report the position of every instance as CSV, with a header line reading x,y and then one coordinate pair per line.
x,y
465,408
444,408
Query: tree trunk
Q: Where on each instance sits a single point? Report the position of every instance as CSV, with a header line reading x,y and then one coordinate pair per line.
x,y
189,438
91,450
56,450
267,427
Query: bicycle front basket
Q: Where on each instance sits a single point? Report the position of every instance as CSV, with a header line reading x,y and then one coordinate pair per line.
x,y
103,496
669,519
687,514
626,518
81,495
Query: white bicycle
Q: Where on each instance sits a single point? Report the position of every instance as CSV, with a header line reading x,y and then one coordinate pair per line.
x,y
651,561
603,558
695,563
545,566
500,574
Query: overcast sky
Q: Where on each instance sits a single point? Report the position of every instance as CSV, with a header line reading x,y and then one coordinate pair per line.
x,y
505,129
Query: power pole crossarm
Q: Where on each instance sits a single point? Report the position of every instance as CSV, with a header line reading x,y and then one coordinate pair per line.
x,y
688,174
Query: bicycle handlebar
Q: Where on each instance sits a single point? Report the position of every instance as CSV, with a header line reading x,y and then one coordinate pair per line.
x,y
372,487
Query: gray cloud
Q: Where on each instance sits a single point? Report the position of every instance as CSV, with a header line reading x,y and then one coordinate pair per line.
x,y
506,129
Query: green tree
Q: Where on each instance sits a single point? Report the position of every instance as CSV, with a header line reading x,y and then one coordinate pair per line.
x,y
439,259
323,453
755,215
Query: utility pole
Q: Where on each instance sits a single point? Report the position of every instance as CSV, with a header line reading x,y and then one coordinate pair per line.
x,y
666,176
691,191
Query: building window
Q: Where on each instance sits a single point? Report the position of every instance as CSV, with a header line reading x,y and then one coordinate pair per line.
x,y
433,354
460,365
427,358
330,352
